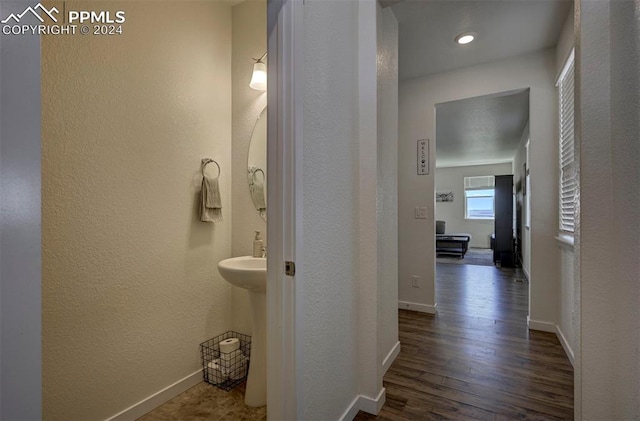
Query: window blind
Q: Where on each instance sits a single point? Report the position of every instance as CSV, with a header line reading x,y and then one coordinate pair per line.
x,y
568,180
479,183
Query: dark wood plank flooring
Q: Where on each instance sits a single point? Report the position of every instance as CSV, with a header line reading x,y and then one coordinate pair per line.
x,y
475,359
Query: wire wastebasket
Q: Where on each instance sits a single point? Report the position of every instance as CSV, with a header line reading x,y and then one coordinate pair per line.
x,y
225,370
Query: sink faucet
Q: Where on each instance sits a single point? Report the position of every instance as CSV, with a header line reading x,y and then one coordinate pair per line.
x,y
264,252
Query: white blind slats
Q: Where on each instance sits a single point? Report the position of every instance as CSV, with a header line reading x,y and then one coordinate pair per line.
x,y
568,182
479,183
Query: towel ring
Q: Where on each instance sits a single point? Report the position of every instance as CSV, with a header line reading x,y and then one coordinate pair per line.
x,y
207,161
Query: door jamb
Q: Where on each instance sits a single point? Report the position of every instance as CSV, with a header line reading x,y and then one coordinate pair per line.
x,y
284,226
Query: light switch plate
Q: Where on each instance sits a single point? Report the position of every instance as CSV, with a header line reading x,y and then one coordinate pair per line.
x,y
421,213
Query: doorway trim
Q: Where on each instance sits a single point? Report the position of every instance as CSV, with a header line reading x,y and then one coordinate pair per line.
x,y
284,226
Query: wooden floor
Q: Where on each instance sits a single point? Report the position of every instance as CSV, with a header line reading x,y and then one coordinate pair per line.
x,y
475,359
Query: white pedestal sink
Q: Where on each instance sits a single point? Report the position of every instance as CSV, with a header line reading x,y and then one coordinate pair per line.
x,y
250,273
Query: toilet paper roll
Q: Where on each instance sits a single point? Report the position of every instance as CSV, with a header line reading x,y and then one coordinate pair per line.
x,y
230,361
229,345
232,356
239,370
215,373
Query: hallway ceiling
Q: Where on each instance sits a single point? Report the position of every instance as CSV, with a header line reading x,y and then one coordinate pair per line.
x,y
480,130
503,28
484,129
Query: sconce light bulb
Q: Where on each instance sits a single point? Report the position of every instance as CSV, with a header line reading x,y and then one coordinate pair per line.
x,y
259,78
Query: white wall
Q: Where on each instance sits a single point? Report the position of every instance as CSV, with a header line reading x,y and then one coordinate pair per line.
x,y
369,261
387,194
349,266
249,40
566,42
416,121
569,300
451,179
20,238
607,240
329,265
625,156
130,286
519,160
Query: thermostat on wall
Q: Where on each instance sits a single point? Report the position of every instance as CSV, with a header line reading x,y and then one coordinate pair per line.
x,y
423,157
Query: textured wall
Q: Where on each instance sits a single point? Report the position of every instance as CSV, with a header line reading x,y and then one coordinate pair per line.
x,y
130,286
20,324
451,179
625,150
608,123
330,225
416,121
387,208
368,260
249,40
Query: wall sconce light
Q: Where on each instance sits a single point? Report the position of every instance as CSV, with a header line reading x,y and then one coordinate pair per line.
x,y
259,77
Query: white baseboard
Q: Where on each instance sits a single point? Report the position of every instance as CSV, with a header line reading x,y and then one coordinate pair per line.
x,y
352,410
565,345
422,308
540,325
366,404
553,328
373,405
526,273
390,358
152,402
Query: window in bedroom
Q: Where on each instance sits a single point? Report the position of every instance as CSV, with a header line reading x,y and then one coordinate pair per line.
x,y
568,181
479,197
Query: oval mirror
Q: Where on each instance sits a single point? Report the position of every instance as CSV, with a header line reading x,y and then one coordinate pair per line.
x,y
257,165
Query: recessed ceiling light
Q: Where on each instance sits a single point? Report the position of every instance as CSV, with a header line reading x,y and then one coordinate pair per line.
x,y
465,38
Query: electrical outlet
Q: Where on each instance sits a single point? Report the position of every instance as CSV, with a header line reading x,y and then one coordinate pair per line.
x,y
421,213
415,281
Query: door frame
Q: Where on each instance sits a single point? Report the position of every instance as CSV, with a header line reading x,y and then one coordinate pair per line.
x,y
285,62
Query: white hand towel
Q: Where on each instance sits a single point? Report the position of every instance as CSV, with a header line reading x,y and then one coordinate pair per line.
x,y
257,193
210,201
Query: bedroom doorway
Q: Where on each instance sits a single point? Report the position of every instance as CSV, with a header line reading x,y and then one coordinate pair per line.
x,y
480,151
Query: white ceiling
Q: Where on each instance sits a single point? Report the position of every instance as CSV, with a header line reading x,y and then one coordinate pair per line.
x,y
504,28
480,130
486,129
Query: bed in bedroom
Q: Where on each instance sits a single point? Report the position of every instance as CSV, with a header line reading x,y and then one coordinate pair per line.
x,y
456,244
451,244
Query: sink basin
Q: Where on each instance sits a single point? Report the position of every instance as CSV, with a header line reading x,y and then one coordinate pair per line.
x,y
250,273
245,272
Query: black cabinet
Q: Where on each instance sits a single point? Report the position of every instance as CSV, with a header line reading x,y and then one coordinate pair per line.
x,y
503,230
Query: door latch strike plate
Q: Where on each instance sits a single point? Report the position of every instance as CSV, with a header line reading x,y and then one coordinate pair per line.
x,y
289,268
